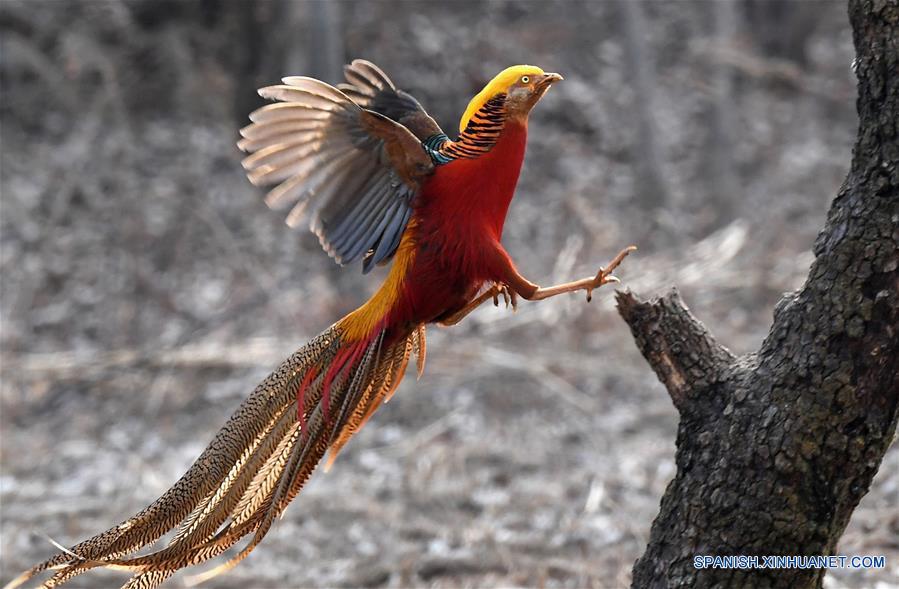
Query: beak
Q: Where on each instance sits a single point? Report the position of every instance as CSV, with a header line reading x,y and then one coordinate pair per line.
x,y
546,80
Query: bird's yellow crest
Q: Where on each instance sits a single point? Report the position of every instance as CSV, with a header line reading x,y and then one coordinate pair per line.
x,y
497,85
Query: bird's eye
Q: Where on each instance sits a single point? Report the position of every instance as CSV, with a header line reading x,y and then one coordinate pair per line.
x,y
525,79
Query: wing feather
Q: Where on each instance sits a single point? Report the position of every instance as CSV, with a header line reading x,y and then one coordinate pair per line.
x,y
312,98
283,135
313,182
298,166
352,218
369,87
358,227
303,183
378,222
313,85
262,130
280,111
353,171
397,218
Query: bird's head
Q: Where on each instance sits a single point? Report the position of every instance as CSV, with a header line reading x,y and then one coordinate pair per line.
x,y
523,86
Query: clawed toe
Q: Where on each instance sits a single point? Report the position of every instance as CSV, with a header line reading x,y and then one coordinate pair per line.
x,y
509,295
510,298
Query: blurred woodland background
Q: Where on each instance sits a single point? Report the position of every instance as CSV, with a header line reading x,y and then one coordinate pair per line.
x,y
146,288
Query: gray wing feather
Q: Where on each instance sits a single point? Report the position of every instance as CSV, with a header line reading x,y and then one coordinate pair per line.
x,y
389,239
369,261
377,223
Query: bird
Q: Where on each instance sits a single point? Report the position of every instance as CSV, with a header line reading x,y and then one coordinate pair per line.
x,y
378,182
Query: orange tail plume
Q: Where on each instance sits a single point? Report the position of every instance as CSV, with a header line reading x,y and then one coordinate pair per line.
x,y
256,464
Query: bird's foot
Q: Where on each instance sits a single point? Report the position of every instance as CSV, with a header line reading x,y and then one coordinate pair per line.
x,y
494,292
509,296
604,276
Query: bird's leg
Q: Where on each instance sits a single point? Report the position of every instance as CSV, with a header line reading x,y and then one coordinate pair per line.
x,y
494,293
521,286
604,276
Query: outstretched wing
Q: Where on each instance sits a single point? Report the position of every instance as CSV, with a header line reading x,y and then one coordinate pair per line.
x,y
369,87
354,171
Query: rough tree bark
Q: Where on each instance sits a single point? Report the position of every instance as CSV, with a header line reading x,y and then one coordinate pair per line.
x,y
776,448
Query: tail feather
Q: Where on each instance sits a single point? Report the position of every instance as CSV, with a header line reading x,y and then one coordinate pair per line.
x,y
388,372
419,348
238,480
359,384
256,464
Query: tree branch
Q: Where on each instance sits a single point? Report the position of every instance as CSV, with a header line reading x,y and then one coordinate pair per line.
x,y
681,351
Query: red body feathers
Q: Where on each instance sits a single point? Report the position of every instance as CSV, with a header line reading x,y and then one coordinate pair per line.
x,y
459,220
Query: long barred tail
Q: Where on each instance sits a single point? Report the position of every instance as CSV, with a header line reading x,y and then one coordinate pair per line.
x,y
256,464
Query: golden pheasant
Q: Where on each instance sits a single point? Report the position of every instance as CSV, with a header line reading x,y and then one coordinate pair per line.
x,y
379,181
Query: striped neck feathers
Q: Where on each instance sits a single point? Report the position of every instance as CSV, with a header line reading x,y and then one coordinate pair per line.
x,y
478,137
500,84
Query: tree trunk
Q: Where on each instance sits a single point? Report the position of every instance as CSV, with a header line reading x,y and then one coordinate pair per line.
x,y
647,151
776,448
721,172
